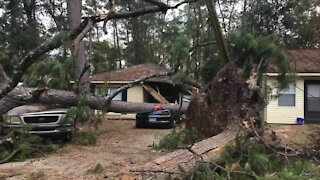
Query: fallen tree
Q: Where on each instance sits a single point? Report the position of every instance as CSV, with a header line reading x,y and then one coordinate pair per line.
x,y
12,96
23,95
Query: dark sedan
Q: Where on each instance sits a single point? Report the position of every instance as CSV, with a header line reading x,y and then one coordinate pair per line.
x,y
158,117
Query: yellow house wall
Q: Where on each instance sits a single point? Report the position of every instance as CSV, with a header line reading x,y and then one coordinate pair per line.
x,y
284,114
134,94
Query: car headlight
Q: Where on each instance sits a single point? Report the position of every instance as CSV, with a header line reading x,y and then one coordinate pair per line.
x,y
12,120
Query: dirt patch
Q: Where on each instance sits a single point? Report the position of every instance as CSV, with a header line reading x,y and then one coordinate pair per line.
x,y
297,136
120,148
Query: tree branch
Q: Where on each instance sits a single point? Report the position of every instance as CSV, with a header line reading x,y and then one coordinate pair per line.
x,y
160,4
201,45
10,156
83,33
28,60
137,81
3,75
111,11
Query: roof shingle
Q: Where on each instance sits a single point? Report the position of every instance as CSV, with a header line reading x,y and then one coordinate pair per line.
x,y
132,73
305,60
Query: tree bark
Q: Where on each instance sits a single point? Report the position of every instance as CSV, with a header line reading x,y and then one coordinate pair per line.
x,y
217,31
81,73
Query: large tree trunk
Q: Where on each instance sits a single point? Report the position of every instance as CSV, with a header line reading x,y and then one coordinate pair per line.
x,y
68,98
80,63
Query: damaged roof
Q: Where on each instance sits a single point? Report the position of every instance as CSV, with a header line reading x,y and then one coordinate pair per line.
x,y
132,73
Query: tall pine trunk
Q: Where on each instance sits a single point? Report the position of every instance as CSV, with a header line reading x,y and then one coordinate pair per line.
x,y
78,53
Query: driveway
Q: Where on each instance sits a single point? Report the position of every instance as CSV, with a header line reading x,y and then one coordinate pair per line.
x,y
119,148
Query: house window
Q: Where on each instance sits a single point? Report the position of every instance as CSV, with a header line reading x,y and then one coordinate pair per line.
x,y
287,97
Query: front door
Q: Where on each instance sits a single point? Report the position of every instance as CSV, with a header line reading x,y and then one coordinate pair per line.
x,y
312,101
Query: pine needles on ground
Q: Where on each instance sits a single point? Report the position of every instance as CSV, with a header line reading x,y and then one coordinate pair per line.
x,y
251,160
19,145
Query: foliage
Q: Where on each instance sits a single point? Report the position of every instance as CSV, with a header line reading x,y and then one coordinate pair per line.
x,y
251,160
252,54
211,68
259,52
55,71
98,168
85,138
103,56
174,140
81,113
295,22
28,145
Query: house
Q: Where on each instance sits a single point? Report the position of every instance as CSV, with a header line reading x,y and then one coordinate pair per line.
x,y
302,97
155,90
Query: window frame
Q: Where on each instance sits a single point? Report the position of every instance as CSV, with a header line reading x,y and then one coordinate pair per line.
x,y
290,91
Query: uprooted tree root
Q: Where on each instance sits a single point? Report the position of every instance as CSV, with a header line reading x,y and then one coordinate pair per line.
x,y
227,104
231,103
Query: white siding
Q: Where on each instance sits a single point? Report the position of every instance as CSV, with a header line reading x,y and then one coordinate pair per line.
x,y
284,114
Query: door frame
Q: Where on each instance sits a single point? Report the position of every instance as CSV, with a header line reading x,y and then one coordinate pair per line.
x,y
306,83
